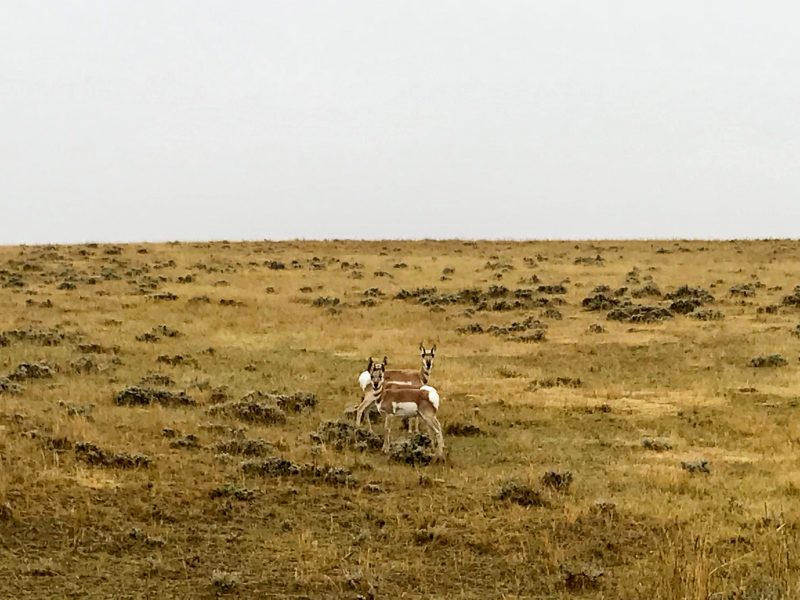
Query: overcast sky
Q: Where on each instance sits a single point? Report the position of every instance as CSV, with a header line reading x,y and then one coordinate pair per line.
x,y
144,120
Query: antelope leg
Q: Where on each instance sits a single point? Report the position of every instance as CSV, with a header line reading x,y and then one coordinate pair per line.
x,y
388,427
364,404
433,424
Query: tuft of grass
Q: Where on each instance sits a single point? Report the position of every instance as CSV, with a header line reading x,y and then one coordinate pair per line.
x,y
771,360
225,581
521,493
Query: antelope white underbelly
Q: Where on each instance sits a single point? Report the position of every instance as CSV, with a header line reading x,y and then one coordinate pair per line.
x,y
404,409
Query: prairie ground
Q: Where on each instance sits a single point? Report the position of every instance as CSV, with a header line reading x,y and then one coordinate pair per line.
x,y
668,421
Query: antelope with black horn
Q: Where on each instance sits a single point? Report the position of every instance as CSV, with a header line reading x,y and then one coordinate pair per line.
x,y
395,378
422,402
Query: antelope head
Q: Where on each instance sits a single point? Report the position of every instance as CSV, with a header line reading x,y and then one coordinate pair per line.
x,y
377,374
427,356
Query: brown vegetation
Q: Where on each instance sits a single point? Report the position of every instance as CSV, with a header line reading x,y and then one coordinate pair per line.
x,y
652,460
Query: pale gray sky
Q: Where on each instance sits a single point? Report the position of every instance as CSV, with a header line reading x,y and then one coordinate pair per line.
x,y
147,120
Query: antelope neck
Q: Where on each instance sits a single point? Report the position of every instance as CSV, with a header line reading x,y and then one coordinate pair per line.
x,y
425,373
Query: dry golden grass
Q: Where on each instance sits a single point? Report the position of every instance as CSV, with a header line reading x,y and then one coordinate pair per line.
x,y
633,523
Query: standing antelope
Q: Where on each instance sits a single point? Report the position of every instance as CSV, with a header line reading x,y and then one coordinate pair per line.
x,y
406,401
364,380
403,377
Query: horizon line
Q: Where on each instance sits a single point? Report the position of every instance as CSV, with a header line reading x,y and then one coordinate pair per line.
x,y
402,240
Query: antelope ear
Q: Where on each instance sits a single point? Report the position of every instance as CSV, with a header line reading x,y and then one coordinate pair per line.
x,y
421,349
433,349
370,365
385,361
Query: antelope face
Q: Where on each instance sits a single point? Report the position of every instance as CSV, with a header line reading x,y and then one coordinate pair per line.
x,y
377,375
377,371
427,356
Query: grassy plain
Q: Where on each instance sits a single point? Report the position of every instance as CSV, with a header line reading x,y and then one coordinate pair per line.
x,y
632,524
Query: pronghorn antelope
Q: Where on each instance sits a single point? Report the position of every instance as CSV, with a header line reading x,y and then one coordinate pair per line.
x,y
366,376
364,380
403,377
405,401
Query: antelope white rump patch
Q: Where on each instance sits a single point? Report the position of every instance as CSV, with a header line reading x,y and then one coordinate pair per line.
x,y
433,395
364,379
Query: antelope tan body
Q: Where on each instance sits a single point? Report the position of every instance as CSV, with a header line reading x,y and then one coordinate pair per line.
x,y
406,377
408,402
